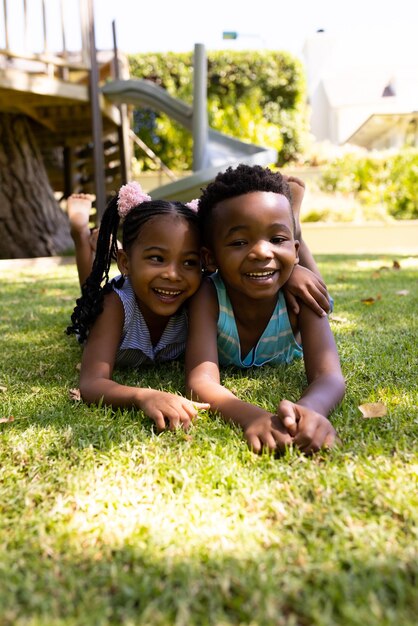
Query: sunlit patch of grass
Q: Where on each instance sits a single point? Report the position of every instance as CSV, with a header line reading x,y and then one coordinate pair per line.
x,y
103,522
384,264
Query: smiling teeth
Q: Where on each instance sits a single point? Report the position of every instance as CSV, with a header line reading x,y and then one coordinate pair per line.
x,y
163,292
260,274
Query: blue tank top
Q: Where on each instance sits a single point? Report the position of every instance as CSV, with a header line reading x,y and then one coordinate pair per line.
x,y
276,345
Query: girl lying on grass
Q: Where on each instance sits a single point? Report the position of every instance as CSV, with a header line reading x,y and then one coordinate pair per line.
x,y
239,315
140,316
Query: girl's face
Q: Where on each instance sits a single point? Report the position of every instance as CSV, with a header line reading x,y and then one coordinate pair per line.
x,y
163,265
252,243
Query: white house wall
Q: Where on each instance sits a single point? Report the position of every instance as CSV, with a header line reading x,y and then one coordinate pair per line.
x,y
320,114
342,97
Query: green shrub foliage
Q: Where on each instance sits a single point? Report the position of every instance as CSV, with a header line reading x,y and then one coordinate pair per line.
x,y
388,179
255,96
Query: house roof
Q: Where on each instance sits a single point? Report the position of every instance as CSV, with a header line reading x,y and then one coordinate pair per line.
x,y
378,125
355,86
366,86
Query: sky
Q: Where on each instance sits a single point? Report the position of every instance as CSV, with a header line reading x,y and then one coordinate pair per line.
x,y
368,31
374,28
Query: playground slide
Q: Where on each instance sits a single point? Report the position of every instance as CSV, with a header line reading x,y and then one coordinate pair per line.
x,y
222,150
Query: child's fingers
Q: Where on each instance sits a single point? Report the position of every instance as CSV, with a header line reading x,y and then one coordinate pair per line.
x,y
306,443
258,444
254,443
269,442
290,424
174,422
288,416
201,405
321,286
183,422
322,297
292,302
317,299
316,438
320,306
159,420
283,440
190,409
183,413
332,440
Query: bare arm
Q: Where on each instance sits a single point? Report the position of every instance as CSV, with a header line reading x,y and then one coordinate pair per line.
x,y
97,368
326,385
307,260
307,419
262,429
306,282
303,423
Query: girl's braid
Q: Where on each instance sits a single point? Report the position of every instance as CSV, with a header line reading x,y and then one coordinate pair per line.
x,y
90,304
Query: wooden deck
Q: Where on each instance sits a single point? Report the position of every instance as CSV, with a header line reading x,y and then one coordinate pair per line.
x,y
62,108
81,137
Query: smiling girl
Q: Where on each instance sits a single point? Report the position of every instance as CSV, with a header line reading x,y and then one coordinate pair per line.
x,y
139,317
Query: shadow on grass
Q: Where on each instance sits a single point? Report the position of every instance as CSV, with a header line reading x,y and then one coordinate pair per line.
x,y
139,583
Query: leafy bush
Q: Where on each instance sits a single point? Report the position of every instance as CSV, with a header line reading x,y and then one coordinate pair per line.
x,y
401,190
388,179
257,97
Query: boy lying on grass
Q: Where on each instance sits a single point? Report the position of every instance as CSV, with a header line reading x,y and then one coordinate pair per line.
x,y
240,317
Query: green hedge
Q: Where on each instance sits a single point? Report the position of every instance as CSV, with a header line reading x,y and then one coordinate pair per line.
x,y
388,179
258,97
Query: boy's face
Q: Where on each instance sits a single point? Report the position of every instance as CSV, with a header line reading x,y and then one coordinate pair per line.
x,y
253,245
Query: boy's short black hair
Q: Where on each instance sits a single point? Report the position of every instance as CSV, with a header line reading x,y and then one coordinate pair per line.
x,y
237,182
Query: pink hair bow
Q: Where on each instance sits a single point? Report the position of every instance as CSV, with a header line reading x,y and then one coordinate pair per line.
x,y
193,205
130,195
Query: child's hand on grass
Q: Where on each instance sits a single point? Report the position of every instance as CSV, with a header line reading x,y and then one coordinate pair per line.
x,y
310,431
266,432
161,406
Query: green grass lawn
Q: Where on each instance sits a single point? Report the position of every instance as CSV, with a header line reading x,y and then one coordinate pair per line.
x,y
104,522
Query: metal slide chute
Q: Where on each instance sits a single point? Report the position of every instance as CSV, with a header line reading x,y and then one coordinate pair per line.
x,y
222,150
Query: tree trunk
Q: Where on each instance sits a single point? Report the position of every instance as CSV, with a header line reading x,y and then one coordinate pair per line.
x,y
32,224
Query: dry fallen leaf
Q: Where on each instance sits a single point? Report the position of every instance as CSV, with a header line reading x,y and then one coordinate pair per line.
x,y
75,395
78,366
2,389
3,420
373,409
402,292
338,319
371,300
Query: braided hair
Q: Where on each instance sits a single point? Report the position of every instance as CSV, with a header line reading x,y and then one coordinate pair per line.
x,y
237,182
90,304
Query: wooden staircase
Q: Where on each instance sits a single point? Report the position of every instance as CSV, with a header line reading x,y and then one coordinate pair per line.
x,y
61,122
61,100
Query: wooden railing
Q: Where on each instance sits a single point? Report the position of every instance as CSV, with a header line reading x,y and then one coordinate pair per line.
x,y
20,19
50,53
